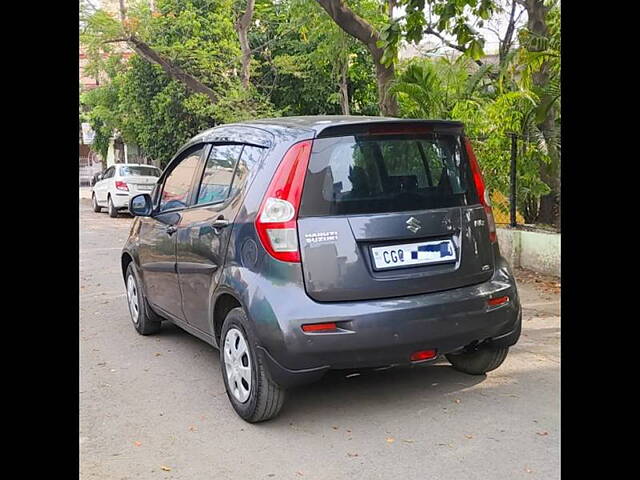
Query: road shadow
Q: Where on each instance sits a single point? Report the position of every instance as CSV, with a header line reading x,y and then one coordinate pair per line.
x,y
340,389
394,388
372,392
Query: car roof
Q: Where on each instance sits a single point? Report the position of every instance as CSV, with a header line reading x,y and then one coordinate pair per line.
x,y
133,165
264,132
318,123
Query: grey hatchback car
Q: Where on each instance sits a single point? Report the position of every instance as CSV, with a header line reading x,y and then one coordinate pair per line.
x,y
299,245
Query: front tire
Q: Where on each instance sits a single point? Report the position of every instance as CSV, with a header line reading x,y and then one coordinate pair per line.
x,y
113,212
251,391
479,361
96,208
145,321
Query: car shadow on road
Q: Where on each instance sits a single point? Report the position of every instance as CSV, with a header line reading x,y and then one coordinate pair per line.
x,y
363,390
371,392
395,387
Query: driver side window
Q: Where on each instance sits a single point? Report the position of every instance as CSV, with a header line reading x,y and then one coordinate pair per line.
x,y
178,184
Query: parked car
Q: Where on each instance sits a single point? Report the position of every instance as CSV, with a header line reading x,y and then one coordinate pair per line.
x,y
304,244
119,182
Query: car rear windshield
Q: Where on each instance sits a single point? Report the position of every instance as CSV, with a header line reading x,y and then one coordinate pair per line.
x,y
139,171
395,173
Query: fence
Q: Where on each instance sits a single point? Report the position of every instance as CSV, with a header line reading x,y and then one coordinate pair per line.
x,y
505,203
505,208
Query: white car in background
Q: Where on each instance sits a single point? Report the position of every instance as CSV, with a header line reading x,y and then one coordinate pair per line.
x,y
121,181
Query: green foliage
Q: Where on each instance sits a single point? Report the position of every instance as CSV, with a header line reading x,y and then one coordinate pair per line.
x,y
299,57
431,88
451,90
140,102
452,17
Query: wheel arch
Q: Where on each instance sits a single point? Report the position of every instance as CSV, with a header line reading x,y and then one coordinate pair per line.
x,y
125,260
224,303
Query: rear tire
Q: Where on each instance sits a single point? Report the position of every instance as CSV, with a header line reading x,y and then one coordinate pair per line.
x,y
113,213
264,398
96,208
480,361
145,321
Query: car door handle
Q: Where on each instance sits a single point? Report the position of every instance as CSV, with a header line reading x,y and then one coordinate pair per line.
x,y
171,229
220,223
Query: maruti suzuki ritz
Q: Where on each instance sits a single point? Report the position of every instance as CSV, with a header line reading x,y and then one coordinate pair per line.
x,y
303,244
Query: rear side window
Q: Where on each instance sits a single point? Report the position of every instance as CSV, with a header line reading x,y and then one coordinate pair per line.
x,y
364,174
218,173
139,171
249,160
178,184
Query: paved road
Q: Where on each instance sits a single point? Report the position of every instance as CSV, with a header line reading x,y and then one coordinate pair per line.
x,y
155,407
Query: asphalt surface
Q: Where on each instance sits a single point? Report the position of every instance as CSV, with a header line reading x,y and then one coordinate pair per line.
x,y
156,407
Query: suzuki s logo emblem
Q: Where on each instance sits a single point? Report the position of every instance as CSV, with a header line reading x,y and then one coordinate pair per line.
x,y
413,224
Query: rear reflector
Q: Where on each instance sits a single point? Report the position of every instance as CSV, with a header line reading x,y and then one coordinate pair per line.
x,y
320,327
422,355
492,302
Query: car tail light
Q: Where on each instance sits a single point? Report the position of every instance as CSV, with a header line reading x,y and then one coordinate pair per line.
x,y
483,193
122,185
422,355
320,327
494,302
276,221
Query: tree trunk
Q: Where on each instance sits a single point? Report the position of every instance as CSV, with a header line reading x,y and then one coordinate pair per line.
x,y
549,212
242,27
363,31
172,70
344,90
384,78
507,41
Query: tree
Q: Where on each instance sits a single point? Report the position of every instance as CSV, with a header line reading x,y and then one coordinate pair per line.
x,y
541,51
129,27
440,18
153,108
307,65
365,32
242,27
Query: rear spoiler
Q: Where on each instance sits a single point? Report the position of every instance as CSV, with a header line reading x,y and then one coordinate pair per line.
x,y
393,127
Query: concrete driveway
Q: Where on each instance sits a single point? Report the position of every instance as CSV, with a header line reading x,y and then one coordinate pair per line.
x,y
156,407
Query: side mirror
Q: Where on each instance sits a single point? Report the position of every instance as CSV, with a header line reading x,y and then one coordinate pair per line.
x,y
99,177
141,205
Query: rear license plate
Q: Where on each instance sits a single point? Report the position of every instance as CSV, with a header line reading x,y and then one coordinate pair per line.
x,y
145,188
411,254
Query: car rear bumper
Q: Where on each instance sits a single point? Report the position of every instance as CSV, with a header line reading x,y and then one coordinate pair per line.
x,y
386,332
120,199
